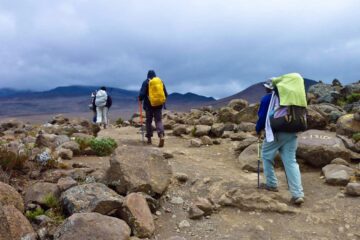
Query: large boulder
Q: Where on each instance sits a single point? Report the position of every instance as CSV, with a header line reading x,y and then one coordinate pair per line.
x,y
319,148
132,170
201,130
226,115
337,174
9,196
217,130
248,159
38,192
238,104
314,119
180,129
13,224
248,114
71,145
50,140
347,125
206,120
137,214
91,197
324,93
92,226
331,112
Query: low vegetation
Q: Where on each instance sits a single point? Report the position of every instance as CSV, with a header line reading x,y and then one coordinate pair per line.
x,y
12,161
119,121
103,146
83,142
356,137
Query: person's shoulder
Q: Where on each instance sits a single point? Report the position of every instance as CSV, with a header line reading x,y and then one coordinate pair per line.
x,y
266,98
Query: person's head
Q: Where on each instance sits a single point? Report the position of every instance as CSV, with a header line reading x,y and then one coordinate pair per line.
x,y
103,88
268,86
151,74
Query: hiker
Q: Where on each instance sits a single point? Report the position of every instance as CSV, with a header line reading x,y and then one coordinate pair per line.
x,y
102,108
153,94
283,139
92,106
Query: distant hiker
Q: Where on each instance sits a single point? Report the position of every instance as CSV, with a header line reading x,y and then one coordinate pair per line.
x,y
92,106
102,107
277,115
153,93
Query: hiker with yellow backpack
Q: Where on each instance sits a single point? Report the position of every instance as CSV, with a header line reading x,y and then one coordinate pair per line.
x,y
153,94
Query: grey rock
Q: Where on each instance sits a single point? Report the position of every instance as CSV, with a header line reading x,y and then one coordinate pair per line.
x,y
195,142
347,125
92,197
217,129
207,120
195,212
38,192
340,161
319,148
248,159
206,140
336,174
132,170
92,226
353,189
202,130
180,130
238,104
8,195
66,183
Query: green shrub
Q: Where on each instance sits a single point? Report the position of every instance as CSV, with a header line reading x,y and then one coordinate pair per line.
x,y
354,97
12,161
51,201
103,146
33,214
193,131
83,142
119,121
356,137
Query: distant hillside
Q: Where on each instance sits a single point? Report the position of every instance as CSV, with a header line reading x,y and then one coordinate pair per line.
x,y
253,93
72,99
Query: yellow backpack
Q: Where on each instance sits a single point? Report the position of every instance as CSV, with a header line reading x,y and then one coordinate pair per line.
x,y
156,92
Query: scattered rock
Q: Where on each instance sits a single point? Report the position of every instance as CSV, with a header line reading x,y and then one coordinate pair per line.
x,y
201,130
206,140
227,114
314,119
38,192
177,200
353,189
181,177
248,159
180,130
240,146
136,213
92,226
66,183
337,174
205,205
347,125
176,238
71,145
184,224
238,104
246,127
14,225
9,196
248,114
206,120
340,161
319,148
195,213
132,170
195,142
92,197
217,130
65,154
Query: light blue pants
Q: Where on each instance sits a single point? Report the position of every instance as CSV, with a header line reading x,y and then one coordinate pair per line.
x,y
286,144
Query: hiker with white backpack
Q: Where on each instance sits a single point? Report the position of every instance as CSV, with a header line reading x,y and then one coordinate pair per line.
x,y
153,94
282,114
103,103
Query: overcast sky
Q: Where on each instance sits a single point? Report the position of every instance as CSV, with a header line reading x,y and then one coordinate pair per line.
x,y
213,48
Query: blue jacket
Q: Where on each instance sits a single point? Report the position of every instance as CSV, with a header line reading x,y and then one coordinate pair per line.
x,y
144,96
263,109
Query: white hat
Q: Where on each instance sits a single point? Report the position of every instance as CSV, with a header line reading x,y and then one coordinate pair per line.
x,y
269,85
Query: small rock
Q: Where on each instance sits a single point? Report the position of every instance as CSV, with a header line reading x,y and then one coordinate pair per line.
x,y
195,212
340,161
66,183
181,177
195,142
177,200
353,189
184,224
206,140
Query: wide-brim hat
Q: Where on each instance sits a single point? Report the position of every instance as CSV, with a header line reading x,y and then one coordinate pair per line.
x,y
269,85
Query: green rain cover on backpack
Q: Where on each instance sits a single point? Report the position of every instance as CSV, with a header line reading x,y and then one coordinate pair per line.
x,y
290,116
291,90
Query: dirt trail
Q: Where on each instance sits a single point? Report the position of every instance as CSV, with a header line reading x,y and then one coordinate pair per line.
x,y
326,214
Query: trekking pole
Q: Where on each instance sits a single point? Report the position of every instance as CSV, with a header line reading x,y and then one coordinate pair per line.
x,y
258,163
141,122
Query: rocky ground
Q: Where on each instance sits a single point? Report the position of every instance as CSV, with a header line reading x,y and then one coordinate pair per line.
x,y
202,185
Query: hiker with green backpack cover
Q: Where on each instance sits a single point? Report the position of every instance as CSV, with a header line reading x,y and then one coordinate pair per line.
x,y
282,114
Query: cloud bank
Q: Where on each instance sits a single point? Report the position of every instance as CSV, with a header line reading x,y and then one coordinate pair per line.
x,y
209,47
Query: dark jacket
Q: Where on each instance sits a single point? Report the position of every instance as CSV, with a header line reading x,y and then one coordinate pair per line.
x,y
263,109
144,96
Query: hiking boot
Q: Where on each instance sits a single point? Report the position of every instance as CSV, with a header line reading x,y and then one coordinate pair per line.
x,y
161,142
297,200
149,141
266,187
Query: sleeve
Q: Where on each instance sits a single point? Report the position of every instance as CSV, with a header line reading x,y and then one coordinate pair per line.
x,y
264,105
165,91
143,91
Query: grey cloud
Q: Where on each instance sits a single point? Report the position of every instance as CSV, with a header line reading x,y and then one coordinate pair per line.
x,y
209,47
